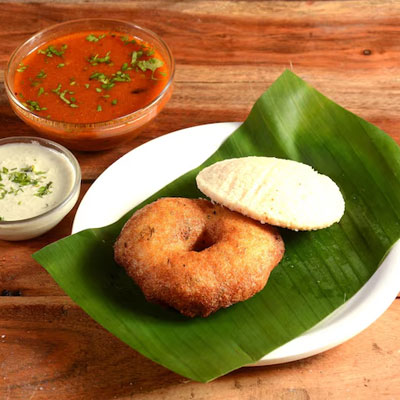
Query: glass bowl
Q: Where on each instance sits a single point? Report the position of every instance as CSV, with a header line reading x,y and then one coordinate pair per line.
x,y
89,136
29,228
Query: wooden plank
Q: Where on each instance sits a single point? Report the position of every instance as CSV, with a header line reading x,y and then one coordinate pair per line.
x,y
49,348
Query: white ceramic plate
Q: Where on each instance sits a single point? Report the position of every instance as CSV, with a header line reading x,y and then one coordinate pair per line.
x,y
148,168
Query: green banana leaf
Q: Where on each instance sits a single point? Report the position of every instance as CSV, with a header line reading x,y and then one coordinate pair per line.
x,y
320,269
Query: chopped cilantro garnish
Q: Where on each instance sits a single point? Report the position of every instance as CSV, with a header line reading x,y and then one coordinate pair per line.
x,y
152,64
51,51
38,78
41,75
21,67
94,60
34,105
74,105
43,190
120,77
98,90
126,40
104,79
40,91
87,85
114,102
57,89
94,38
109,81
28,169
99,108
135,56
108,86
22,178
61,65
17,180
63,98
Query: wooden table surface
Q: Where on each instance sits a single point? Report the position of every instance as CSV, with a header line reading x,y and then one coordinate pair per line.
x,y
227,53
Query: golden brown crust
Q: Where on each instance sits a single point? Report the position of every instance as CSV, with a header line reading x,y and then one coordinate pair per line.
x,y
196,256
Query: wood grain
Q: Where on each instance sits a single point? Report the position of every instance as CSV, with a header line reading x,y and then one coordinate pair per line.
x,y
227,54
348,52
50,349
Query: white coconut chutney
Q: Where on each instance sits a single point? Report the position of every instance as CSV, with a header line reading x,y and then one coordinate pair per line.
x,y
33,180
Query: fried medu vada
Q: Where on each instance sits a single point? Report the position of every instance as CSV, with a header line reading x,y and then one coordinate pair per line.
x,y
196,256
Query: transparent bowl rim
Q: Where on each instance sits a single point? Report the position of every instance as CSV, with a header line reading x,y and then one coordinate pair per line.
x,y
131,116
71,158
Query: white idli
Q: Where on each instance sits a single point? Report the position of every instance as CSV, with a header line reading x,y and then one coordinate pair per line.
x,y
279,192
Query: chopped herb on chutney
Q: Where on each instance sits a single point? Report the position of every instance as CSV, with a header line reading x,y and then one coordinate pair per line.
x,y
17,180
43,190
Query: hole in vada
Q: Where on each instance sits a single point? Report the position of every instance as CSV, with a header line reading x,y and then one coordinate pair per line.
x,y
204,241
